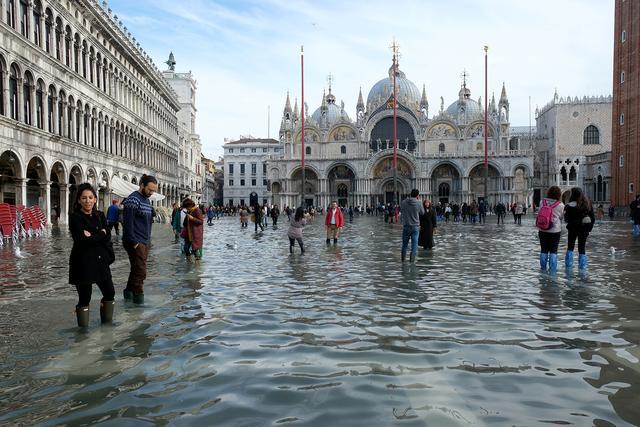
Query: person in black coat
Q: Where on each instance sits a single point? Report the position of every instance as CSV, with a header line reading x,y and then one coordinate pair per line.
x,y
578,214
91,255
428,224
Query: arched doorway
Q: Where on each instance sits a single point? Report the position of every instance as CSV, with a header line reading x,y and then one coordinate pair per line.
x,y
37,187
477,184
520,185
311,186
383,174
276,189
75,179
10,174
58,193
445,179
342,184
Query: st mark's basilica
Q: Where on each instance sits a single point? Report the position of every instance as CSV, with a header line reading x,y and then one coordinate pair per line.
x,y
442,155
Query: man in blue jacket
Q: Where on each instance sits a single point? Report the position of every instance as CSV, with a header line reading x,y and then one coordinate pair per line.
x,y
136,235
113,213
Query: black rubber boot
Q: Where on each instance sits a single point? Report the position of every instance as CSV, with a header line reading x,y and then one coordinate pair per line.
x,y
301,248
335,241
138,299
290,249
328,241
106,311
403,256
128,295
412,257
82,315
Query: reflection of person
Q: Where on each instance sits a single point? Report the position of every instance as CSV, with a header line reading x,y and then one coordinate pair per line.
x,y
136,236
428,224
411,209
91,255
333,222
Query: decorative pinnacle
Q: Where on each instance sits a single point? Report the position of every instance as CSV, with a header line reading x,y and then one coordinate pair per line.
x,y
171,62
464,76
395,48
329,81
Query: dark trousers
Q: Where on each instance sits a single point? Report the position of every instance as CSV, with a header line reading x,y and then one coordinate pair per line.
x,y
275,220
138,261
112,225
292,242
481,217
84,292
259,224
582,241
519,219
500,217
549,242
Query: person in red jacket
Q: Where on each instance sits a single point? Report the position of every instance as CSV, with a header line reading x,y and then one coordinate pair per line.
x,y
333,222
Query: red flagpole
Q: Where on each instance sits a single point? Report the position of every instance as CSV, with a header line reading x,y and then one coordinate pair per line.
x,y
486,97
395,136
302,134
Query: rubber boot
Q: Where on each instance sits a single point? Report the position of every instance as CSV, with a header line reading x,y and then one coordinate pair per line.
x,y
82,315
412,257
335,241
328,241
403,256
290,249
544,259
106,311
128,295
568,259
138,299
553,263
301,248
582,261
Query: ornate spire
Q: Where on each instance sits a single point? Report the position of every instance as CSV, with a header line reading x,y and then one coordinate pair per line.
x,y
423,101
295,109
287,104
323,106
360,104
503,95
492,105
171,62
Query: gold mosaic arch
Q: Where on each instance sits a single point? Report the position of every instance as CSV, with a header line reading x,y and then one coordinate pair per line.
x,y
310,135
441,130
474,130
342,133
384,167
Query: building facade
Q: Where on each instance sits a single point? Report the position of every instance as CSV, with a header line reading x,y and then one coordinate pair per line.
x,y
442,155
245,174
572,143
190,172
625,171
80,101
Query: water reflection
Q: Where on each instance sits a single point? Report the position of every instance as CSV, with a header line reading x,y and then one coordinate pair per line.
x,y
472,333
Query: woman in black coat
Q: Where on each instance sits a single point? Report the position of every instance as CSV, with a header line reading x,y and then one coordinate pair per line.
x,y
91,255
578,214
428,224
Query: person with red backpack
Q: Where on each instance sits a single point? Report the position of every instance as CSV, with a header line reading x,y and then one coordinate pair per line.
x,y
549,224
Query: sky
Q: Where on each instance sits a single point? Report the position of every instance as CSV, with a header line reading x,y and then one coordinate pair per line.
x,y
245,55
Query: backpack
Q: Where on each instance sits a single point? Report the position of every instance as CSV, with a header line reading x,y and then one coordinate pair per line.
x,y
544,220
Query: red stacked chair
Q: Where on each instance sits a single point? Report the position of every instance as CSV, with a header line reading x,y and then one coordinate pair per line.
x,y
7,221
40,215
26,220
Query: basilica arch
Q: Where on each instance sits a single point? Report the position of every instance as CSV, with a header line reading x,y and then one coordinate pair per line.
x,y
381,173
446,183
311,185
342,184
381,135
476,183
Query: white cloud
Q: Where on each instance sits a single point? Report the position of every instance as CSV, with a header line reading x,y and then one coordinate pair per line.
x,y
246,55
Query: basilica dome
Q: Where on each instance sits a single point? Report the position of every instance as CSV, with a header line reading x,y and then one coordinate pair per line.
x,y
407,92
471,107
333,113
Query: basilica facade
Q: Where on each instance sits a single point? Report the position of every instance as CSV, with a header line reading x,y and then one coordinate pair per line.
x,y
442,155
81,101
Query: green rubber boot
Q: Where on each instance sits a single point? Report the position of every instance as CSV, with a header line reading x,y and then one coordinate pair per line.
x,y
106,311
82,315
138,299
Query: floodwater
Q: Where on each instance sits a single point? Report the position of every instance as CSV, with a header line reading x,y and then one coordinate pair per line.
x,y
471,334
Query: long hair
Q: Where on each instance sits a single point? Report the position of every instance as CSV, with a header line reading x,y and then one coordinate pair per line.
x,y
299,214
582,202
77,207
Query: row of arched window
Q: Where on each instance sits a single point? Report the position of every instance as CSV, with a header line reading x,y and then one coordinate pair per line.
x,y
36,104
39,25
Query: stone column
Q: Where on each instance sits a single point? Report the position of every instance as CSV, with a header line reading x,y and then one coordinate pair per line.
x,y
65,118
71,116
43,42
21,191
45,199
20,100
5,95
64,204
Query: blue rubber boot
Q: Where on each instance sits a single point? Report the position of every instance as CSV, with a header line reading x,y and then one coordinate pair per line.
x,y
636,230
582,262
553,263
544,259
568,259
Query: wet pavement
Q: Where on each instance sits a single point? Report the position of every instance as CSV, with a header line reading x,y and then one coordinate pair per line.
x,y
471,334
